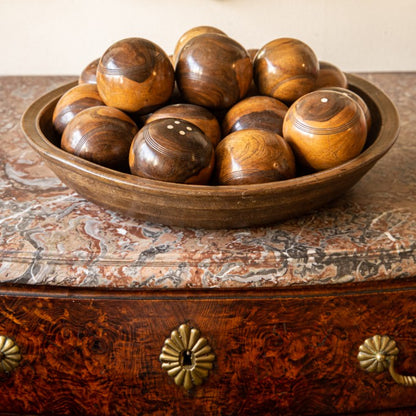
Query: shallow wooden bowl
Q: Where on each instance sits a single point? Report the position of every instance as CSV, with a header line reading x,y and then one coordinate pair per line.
x,y
207,206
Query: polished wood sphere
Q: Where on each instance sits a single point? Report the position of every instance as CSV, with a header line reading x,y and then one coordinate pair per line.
x,y
325,128
357,99
75,100
89,73
102,135
330,75
190,34
285,69
195,114
172,150
135,75
257,112
214,71
253,156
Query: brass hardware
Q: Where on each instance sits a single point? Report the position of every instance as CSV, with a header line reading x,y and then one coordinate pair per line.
x,y
9,354
187,357
378,354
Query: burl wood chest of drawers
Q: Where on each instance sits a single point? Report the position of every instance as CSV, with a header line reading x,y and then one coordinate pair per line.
x,y
104,315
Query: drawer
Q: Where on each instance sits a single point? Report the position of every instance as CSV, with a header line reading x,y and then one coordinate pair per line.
x,y
276,352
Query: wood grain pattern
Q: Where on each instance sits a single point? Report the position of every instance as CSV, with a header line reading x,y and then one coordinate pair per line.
x,y
73,102
357,99
135,75
256,112
278,351
325,129
200,116
190,34
253,156
102,135
285,69
214,71
172,150
89,73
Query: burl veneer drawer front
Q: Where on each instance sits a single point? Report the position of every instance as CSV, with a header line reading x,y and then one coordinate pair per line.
x,y
271,352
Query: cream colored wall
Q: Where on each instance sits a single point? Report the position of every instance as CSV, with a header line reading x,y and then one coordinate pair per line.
x,y
62,36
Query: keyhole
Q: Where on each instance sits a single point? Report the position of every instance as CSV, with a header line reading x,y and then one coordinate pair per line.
x,y
187,359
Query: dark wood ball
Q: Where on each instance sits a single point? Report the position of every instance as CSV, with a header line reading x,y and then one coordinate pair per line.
x,y
253,156
257,112
135,75
214,71
285,69
357,99
325,129
190,34
195,114
330,75
102,135
172,150
89,73
75,100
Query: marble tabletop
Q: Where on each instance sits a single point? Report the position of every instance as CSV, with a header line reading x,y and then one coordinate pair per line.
x,y
50,235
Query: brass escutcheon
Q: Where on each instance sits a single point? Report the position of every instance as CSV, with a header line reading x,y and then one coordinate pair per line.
x,y
378,354
187,357
9,354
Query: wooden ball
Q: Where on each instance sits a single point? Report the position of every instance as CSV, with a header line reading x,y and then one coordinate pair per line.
x,y
214,71
253,156
257,112
75,100
285,69
325,128
172,150
357,99
190,34
102,135
195,114
135,75
330,75
89,73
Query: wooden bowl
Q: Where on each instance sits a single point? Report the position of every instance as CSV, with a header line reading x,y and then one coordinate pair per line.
x,y
206,206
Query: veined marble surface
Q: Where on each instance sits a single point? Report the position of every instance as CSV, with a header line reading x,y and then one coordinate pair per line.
x,y
50,235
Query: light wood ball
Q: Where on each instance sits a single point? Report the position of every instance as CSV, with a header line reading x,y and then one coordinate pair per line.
x,y
253,156
285,69
325,129
135,75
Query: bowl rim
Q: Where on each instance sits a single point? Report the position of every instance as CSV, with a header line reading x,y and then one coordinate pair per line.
x,y
386,137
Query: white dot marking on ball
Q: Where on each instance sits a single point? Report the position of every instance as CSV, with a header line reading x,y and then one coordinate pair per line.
x,y
169,126
324,100
182,133
188,128
177,122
